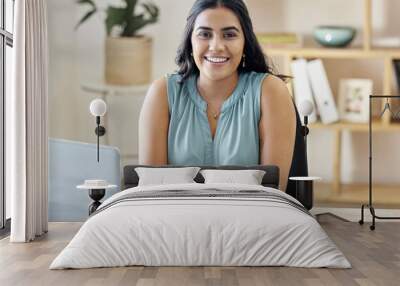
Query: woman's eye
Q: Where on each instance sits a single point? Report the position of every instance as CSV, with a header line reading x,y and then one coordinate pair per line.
x,y
229,35
204,34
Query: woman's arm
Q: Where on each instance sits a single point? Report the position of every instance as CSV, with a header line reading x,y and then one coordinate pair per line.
x,y
277,127
153,125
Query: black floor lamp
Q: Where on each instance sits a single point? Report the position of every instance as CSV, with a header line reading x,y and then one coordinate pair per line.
x,y
304,184
387,108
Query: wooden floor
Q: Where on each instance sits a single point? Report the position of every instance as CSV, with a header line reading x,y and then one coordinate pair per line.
x,y
375,257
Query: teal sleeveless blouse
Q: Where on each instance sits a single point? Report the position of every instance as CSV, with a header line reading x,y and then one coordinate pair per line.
x,y
236,140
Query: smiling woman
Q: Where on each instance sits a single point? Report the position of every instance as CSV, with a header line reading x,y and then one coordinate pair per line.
x,y
224,105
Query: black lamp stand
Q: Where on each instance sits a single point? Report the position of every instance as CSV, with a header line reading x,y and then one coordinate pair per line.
x,y
303,188
305,132
309,185
96,195
100,131
370,203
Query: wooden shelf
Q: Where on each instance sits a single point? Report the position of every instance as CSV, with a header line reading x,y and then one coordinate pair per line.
x,y
356,194
337,53
377,126
336,192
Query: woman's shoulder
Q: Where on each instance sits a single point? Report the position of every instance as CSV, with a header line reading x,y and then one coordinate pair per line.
x,y
254,75
275,95
166,82
253,79
169,87
272,84
158,87
155,104
175,82
173,78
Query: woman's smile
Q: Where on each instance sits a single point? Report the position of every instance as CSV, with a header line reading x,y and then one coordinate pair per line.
x,y
217,61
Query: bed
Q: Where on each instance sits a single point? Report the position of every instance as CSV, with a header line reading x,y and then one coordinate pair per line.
x,y
198,224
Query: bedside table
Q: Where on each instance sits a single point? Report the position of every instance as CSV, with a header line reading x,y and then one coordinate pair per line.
x,y
97,190
304,190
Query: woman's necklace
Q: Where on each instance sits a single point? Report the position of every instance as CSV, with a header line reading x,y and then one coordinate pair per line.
x,y
215,115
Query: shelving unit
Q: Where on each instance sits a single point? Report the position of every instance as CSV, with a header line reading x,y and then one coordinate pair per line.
x,y
383,124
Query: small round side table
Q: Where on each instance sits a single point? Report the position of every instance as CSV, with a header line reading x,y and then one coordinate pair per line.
x,y
304,190
97,190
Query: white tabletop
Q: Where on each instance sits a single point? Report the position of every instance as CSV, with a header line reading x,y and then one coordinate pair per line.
x,y
305,178
86,187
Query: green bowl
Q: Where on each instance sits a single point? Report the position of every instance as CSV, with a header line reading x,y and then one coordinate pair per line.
x,y
334,36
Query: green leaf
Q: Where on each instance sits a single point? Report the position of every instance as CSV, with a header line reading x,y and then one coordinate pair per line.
x,y
137,22
124,17
130,6
90,2
130,28
151,9
85,17
115,17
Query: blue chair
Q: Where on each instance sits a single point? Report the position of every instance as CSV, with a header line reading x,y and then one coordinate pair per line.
x,y
70,163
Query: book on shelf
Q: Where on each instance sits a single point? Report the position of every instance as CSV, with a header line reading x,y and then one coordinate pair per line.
x,y
396,66
280,40
322,92
302,87
386,42
396,89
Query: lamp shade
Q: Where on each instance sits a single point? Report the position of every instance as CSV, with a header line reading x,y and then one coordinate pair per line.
x,y
98,107
306,107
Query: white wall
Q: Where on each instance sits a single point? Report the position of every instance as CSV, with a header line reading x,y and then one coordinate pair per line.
x,y
77,56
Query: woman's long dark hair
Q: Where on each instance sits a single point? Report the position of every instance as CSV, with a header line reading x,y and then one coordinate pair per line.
x,y
255,58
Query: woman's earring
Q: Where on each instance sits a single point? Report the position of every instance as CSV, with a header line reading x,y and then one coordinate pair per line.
x,y
191,54
244,61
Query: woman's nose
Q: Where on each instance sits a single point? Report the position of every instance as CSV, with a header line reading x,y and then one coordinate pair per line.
x,y
216,44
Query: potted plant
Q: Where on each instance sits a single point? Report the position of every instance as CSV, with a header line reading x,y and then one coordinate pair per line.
x,y
128,56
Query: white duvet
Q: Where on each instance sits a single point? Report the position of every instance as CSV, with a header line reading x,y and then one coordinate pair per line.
x,y
200,231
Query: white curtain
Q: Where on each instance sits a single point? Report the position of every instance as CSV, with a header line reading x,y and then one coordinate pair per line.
x,y
26,123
